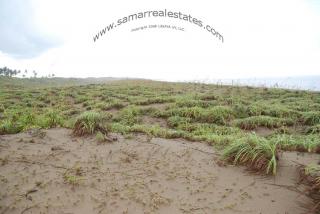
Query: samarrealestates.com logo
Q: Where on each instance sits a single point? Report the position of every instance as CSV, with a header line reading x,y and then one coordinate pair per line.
x,y
162,14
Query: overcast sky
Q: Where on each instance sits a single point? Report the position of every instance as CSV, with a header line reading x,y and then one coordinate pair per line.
x,y
261,39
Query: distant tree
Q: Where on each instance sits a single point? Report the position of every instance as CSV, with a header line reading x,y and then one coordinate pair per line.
x,y
34,74
5,71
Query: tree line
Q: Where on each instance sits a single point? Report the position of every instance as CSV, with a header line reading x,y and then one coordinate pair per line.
x,y
7,72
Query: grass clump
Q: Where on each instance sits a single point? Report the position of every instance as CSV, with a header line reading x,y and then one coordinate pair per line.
x,y
129,116
88,123
253,122
313,129
73,176
10,127
310,175
175,121
102,138
217,114
309,143
311,118
51,119
2,108
256,153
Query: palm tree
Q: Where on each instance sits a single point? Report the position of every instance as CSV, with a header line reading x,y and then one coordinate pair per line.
x,y
34,74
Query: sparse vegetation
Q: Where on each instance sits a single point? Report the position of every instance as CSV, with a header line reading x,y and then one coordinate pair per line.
x,y
249,126
223,116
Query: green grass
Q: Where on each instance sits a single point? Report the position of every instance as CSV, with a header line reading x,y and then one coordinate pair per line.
x,y
216,114
89,123
222,116
264,121
129,115
311,118
257,153
313,129
309,143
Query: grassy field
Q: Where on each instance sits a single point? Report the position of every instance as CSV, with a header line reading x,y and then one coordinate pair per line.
x,y
250,126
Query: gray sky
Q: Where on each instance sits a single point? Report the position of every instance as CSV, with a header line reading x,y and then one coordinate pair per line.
x,y
19,37
261,38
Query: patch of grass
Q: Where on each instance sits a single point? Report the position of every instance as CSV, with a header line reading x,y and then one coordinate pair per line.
x,y
264,121
51,119
256,153
216,114
10,127
2,108
310,175
101,138
310,143
311,118
73,176
88,123
129,116
313,129
202,129
176,121
153,100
